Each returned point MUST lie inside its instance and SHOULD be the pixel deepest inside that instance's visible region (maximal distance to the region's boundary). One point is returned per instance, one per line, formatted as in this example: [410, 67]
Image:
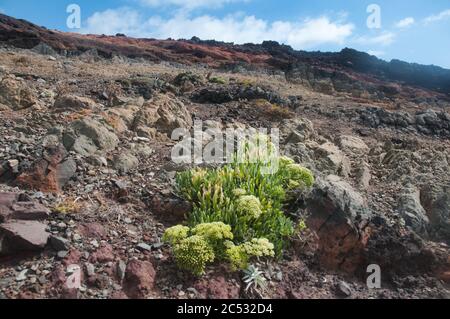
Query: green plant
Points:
[240, 255]
[217, 80]
[193, 254]
[238, 208]
[175, 234]
[254, 278]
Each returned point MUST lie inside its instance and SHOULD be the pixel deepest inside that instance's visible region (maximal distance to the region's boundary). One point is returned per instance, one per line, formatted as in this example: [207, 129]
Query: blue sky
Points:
[410, 30]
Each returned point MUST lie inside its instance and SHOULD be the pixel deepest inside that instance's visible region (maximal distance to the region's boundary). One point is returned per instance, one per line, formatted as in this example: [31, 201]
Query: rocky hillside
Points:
[87, 184]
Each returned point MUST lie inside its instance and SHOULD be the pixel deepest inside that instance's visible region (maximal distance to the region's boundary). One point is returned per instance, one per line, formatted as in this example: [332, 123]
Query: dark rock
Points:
[59, 243]
[139, 279]
[339, 215]
[50, 173]
[170, 207]
[22, 236]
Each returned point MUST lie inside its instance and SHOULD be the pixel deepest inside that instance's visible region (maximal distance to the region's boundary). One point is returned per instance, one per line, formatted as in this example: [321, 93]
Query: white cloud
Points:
[404, 23]
[189, 4]
[236, 28]
[440, 16]
[383, 39]
[376, 53]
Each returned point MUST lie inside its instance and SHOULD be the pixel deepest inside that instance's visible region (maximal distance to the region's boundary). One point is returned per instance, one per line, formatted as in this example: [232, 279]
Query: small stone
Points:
[121, 268]
[62, 254]
[344, 289]
[90, 269]
[144, 247]
[95, 243]
[59, 243]
[22, 275]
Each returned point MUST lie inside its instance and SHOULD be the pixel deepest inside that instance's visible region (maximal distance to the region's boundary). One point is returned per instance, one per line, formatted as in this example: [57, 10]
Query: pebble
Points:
[121, 268]
[90, 269]
[95, 243]
[62, 254]
[22, 275]
[144, 247]
[344, 289]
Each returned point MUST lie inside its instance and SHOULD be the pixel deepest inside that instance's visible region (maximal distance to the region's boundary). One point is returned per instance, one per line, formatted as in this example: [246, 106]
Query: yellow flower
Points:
[213, 231]
[249, 205]
[193, 254]
[175, 234]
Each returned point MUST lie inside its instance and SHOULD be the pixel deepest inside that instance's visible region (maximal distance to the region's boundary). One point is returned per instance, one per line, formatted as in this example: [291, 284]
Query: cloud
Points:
[440, 16]
[404, 23]
[189, 4]
[376, 53]
[237, 28]
[383, 39]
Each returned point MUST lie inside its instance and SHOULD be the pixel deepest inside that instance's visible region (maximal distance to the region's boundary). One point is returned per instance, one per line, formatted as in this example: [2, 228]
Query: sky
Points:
[410, 30]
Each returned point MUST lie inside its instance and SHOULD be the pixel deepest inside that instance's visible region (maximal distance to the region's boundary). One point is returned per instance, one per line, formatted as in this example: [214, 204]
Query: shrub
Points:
[193, 254]
[217, 80]
[249, 206]
[238, 208]
[239, 255]
[175, 234]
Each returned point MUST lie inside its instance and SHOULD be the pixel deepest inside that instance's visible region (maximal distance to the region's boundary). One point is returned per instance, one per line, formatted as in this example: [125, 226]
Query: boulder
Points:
[339, 216]
[139, 279]
[15, 93]
[331, 160]
[297, 130]
[125, 162]
[165, 113]
[22, 236]
[50, 173]
[73, 102]
[411, 210]
[88, 136]
[352, 145]
[19, 206]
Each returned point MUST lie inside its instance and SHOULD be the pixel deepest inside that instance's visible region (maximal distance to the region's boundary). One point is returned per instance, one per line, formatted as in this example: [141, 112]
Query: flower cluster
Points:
[298, 176]
[249, 205]
[240, 255]
[193, 254]
[175, 234]
[213, 231]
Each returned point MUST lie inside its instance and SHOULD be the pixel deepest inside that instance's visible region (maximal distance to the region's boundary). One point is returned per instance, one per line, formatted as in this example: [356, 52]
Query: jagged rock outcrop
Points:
[339, 215]
[50, 173]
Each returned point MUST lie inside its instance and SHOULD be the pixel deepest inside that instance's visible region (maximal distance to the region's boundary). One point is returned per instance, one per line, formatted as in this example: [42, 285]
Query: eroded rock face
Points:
[15, 94]
[332, 160]
[402, 253]
[50, 173]
[339, 215]
[436, 202]
[411, 210]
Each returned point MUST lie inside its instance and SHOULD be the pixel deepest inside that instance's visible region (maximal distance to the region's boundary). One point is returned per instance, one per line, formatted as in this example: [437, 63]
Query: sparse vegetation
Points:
[245, 201]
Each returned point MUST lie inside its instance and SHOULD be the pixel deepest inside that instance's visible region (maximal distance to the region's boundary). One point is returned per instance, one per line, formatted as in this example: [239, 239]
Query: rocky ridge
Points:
[87, 181]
